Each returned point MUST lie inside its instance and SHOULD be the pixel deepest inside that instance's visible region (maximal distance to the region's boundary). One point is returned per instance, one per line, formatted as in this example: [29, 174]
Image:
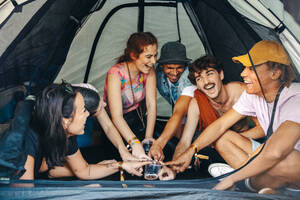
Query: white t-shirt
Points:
[287, 108]
[189, 91]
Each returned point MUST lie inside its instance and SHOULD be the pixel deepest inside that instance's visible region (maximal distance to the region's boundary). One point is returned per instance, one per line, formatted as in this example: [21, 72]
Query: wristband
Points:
[133, 141]
[120, 163]
[195, 148]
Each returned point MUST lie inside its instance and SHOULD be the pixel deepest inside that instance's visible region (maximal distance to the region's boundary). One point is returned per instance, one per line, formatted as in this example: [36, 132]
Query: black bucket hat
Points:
[173, 53]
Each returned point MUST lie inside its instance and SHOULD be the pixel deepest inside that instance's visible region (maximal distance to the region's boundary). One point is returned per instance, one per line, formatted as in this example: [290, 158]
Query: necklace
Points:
[139, 108]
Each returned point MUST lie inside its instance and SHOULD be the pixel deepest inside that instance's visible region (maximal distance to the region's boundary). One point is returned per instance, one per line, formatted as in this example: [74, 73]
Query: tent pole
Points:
[177, 20]
[141, 16]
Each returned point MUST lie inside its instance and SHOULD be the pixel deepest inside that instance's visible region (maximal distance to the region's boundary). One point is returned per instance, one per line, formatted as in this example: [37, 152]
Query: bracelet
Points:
[200, 156]
[120, 163]
[133, 141]
[195, 148]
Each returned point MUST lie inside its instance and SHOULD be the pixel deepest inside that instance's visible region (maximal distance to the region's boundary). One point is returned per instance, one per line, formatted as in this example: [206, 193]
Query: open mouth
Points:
[248, 83]
[209, 86]
[173, 78]
[148, 66]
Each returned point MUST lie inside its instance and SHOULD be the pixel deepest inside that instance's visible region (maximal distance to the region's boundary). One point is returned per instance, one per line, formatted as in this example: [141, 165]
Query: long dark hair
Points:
[135, 44]
[91, 98]
[53, 104]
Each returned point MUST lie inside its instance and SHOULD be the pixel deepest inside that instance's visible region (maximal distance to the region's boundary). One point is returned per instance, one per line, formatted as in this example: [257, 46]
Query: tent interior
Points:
[45, 41]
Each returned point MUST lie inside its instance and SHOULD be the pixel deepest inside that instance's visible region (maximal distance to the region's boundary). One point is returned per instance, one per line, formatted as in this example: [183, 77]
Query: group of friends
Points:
[228, 117]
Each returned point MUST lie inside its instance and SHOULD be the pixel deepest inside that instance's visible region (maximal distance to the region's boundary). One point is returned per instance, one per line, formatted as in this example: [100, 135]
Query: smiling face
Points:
[251, 80]
[173, 71]
[75, 124]
[209, 81]
[146, 60]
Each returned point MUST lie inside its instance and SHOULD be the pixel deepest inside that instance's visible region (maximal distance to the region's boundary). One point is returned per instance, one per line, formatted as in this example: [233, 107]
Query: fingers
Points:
[148, 139]
[176, 166]
[141, 164]
[137, 172]
[158, 157]
[137, 169]
[107, 161]
[170, 163]
[166, 174]
[144, 158]
[132, 159]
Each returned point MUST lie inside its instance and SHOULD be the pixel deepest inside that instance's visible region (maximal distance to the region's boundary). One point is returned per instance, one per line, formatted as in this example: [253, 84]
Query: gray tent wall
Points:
[26, 54]
[161, 21]
[113, 38]
[23, 51]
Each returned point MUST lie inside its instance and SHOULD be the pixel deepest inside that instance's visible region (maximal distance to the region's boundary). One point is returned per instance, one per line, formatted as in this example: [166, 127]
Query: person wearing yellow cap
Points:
[268, 76]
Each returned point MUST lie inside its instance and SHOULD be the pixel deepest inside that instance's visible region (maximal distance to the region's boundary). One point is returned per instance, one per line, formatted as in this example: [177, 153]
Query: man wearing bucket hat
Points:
[172, 72]
[173, 84]
[268, 76]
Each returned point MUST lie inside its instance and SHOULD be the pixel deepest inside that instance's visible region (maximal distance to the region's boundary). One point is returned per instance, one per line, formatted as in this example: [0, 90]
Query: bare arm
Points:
[151, 103]
[255, 132]
[277, 148]
[116, 108]
[82, 170]
[111, 132]
[208, 136]
[85, 171]
[180, 110]
[189, 128]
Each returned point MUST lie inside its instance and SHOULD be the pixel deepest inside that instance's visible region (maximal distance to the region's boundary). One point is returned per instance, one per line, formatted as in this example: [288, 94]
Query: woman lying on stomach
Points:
[60, 114]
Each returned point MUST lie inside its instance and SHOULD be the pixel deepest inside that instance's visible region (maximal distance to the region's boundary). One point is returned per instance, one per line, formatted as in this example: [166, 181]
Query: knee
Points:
[223, 142]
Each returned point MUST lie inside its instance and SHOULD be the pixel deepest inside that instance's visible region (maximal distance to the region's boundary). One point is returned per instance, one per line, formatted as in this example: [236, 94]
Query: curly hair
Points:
[203, 63]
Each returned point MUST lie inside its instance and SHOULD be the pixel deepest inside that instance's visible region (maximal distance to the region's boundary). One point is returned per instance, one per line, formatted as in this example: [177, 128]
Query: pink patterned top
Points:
[138, 86]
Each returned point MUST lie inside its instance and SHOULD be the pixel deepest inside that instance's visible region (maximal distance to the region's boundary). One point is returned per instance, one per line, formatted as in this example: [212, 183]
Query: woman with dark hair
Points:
[95, 106]
[60, 114]
[129, 84]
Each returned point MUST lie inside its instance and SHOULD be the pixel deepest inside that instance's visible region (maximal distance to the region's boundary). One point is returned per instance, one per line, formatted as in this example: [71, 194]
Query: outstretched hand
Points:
[156, 152]
[127, 156]
[181, 162]
[135, 167]
[138, 151]
[166, 174]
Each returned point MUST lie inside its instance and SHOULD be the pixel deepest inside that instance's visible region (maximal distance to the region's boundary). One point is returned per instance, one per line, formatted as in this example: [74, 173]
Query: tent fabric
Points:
[61, 49]
[44, 41]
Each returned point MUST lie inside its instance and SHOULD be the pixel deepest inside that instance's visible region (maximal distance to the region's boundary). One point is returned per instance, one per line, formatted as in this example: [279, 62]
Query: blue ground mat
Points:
[131, 189]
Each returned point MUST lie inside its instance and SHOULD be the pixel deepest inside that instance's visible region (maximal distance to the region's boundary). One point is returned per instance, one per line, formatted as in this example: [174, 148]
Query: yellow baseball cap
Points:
[264, 51]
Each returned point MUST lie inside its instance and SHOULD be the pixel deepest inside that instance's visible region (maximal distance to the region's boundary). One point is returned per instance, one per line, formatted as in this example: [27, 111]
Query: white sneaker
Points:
[218, 169]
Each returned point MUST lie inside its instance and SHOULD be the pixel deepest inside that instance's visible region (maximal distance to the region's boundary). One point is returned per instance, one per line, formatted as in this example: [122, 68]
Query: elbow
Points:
[82, 176]
[115, 118]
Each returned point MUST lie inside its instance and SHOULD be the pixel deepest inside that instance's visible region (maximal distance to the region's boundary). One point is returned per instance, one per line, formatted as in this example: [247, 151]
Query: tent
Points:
[78, 40]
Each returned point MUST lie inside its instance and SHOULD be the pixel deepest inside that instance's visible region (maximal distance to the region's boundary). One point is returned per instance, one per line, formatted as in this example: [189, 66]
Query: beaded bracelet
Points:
[120, 163]
[132, 142]
[195, 148]
[198, 156]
